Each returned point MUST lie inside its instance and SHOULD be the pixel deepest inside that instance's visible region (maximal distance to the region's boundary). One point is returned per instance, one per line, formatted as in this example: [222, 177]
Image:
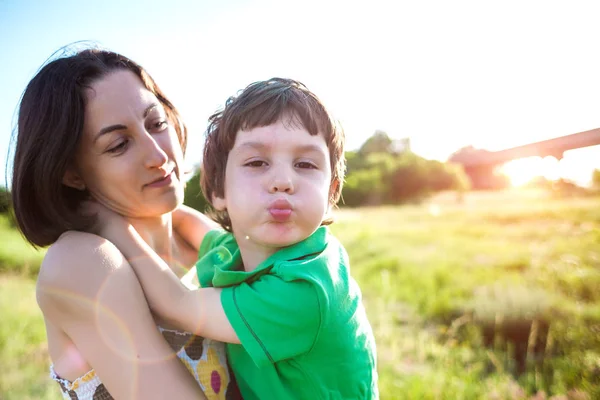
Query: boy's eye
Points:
[306, 165]
[255, 163]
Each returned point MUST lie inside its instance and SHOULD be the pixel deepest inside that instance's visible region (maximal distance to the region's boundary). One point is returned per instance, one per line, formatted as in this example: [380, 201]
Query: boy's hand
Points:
[115, 228]
[107, 222]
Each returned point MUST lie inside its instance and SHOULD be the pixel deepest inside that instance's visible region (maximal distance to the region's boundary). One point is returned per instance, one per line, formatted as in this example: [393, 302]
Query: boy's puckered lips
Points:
[280, 210]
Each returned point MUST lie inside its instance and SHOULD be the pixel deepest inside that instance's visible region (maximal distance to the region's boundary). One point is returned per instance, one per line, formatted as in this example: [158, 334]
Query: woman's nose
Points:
[155, 155]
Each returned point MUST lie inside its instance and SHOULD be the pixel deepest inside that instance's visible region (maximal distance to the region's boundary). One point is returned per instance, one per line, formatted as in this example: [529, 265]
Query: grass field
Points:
[494, 297]
[16, 255]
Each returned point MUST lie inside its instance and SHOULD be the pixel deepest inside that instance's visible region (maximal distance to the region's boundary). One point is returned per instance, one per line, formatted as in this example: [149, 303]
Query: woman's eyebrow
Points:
[149, 108]
[118, 127]
[109, 129]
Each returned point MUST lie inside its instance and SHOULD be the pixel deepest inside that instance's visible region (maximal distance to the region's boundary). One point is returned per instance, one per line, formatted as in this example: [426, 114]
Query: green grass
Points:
[23, 351]
[434, 277]
[16, 255]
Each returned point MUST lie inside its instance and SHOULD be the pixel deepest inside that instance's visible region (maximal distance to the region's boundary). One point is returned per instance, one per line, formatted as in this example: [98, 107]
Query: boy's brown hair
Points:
[260, 104]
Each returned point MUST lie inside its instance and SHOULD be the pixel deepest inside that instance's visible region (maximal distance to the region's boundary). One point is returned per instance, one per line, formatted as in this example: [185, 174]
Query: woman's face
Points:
[129, 157]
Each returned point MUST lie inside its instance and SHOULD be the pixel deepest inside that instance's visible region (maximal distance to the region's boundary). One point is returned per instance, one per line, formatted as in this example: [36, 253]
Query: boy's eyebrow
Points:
[253, 145]
[310, 147]
[300, 149]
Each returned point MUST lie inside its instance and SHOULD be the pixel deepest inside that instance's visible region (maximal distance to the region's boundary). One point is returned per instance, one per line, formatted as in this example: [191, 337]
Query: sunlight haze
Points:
[445, 74]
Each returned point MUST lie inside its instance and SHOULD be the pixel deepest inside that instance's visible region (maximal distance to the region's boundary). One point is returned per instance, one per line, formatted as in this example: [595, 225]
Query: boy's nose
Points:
[281, 182]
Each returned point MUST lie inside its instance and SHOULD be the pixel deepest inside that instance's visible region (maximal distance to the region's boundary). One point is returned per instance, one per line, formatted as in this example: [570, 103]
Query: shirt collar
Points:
[230, 271]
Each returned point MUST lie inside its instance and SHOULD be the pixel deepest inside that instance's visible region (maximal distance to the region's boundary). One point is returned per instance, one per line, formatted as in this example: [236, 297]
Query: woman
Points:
[95, 126]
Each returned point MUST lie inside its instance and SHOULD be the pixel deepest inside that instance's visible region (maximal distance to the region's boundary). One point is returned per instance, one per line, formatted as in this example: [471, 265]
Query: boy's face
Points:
[277, 184]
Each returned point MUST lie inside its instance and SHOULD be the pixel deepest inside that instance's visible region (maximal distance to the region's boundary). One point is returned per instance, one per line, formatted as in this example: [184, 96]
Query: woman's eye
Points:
[119, 147]
[306, 165]
[160, 125]
[256, 163]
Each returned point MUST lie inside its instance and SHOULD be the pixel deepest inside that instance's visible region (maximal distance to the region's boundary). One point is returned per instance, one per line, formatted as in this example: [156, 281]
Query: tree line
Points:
[382, 171]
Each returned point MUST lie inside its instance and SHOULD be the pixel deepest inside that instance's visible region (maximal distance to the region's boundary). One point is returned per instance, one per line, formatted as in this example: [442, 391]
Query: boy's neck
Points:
[253, 254]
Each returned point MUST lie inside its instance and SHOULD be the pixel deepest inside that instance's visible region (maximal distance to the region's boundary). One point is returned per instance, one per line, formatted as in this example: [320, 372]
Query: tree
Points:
[379, 142]
[596, 178]
[5, 201]
[366, 178]
[395, 178]
[193, 194]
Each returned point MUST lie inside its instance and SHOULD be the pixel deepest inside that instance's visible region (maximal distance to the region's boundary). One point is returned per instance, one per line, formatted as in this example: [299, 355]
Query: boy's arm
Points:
[199, 311]
[283, 317]
[192, 225]
[269, 311]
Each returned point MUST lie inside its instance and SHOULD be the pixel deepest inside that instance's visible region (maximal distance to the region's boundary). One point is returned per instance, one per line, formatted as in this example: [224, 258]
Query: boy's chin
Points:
[281, 241]
[275, 236]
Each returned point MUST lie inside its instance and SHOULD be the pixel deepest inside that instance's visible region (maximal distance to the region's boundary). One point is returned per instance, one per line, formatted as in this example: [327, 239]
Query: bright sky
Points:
[444, 73]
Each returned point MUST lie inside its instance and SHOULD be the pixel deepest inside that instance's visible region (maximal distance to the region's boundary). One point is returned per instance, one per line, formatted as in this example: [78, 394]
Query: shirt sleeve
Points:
[211, 239]
[273, 318]
[205, 266]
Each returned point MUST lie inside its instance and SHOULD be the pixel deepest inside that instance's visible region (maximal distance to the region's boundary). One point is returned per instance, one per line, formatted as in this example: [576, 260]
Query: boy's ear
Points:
[72, 179]
[329, 208]
[335, 184]
[219, 203]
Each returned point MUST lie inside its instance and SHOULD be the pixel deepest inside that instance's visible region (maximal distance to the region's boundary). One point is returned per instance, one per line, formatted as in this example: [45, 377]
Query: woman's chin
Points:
[169, 204]
[152, 210]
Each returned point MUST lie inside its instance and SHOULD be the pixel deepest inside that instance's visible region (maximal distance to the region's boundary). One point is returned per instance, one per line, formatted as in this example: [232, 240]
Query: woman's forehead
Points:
[115, 98]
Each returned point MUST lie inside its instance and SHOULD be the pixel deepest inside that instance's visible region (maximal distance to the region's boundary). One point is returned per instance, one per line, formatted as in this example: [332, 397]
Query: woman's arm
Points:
[88, 289]
[192, 225]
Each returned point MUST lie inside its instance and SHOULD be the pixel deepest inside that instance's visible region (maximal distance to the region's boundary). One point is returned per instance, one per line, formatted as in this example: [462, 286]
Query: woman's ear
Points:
[72, 179]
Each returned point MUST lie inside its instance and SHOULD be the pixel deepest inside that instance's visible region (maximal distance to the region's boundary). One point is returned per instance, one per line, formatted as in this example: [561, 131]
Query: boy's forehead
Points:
[279, 135]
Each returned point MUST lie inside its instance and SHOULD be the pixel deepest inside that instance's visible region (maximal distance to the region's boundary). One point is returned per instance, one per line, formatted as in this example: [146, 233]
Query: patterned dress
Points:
[204, 358]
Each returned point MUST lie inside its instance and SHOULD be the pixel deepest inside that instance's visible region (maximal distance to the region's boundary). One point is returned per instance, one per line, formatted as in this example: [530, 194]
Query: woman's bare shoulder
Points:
[78, 263]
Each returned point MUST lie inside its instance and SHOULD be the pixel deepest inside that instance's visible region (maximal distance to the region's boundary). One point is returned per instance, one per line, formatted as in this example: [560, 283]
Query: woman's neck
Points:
[158, 233]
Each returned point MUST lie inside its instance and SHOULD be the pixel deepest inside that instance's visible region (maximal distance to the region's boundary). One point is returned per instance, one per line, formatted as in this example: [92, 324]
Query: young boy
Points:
[275, 285]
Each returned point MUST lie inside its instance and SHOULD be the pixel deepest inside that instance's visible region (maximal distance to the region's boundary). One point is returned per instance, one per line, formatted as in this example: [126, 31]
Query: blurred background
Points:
[471, 204]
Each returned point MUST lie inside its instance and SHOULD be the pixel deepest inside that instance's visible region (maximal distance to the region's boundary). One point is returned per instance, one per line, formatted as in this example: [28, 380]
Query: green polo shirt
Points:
[303, 330]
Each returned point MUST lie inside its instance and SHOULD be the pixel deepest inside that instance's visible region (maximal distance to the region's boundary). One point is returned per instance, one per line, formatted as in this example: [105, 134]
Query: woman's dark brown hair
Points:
[261, 104]
[50, 127]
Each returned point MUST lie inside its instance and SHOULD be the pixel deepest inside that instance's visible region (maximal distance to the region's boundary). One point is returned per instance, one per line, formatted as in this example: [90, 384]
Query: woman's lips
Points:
[162, 182]
[280, 210]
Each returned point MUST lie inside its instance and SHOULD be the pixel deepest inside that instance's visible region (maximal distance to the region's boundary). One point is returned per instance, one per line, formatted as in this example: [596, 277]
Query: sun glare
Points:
[524, 170]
